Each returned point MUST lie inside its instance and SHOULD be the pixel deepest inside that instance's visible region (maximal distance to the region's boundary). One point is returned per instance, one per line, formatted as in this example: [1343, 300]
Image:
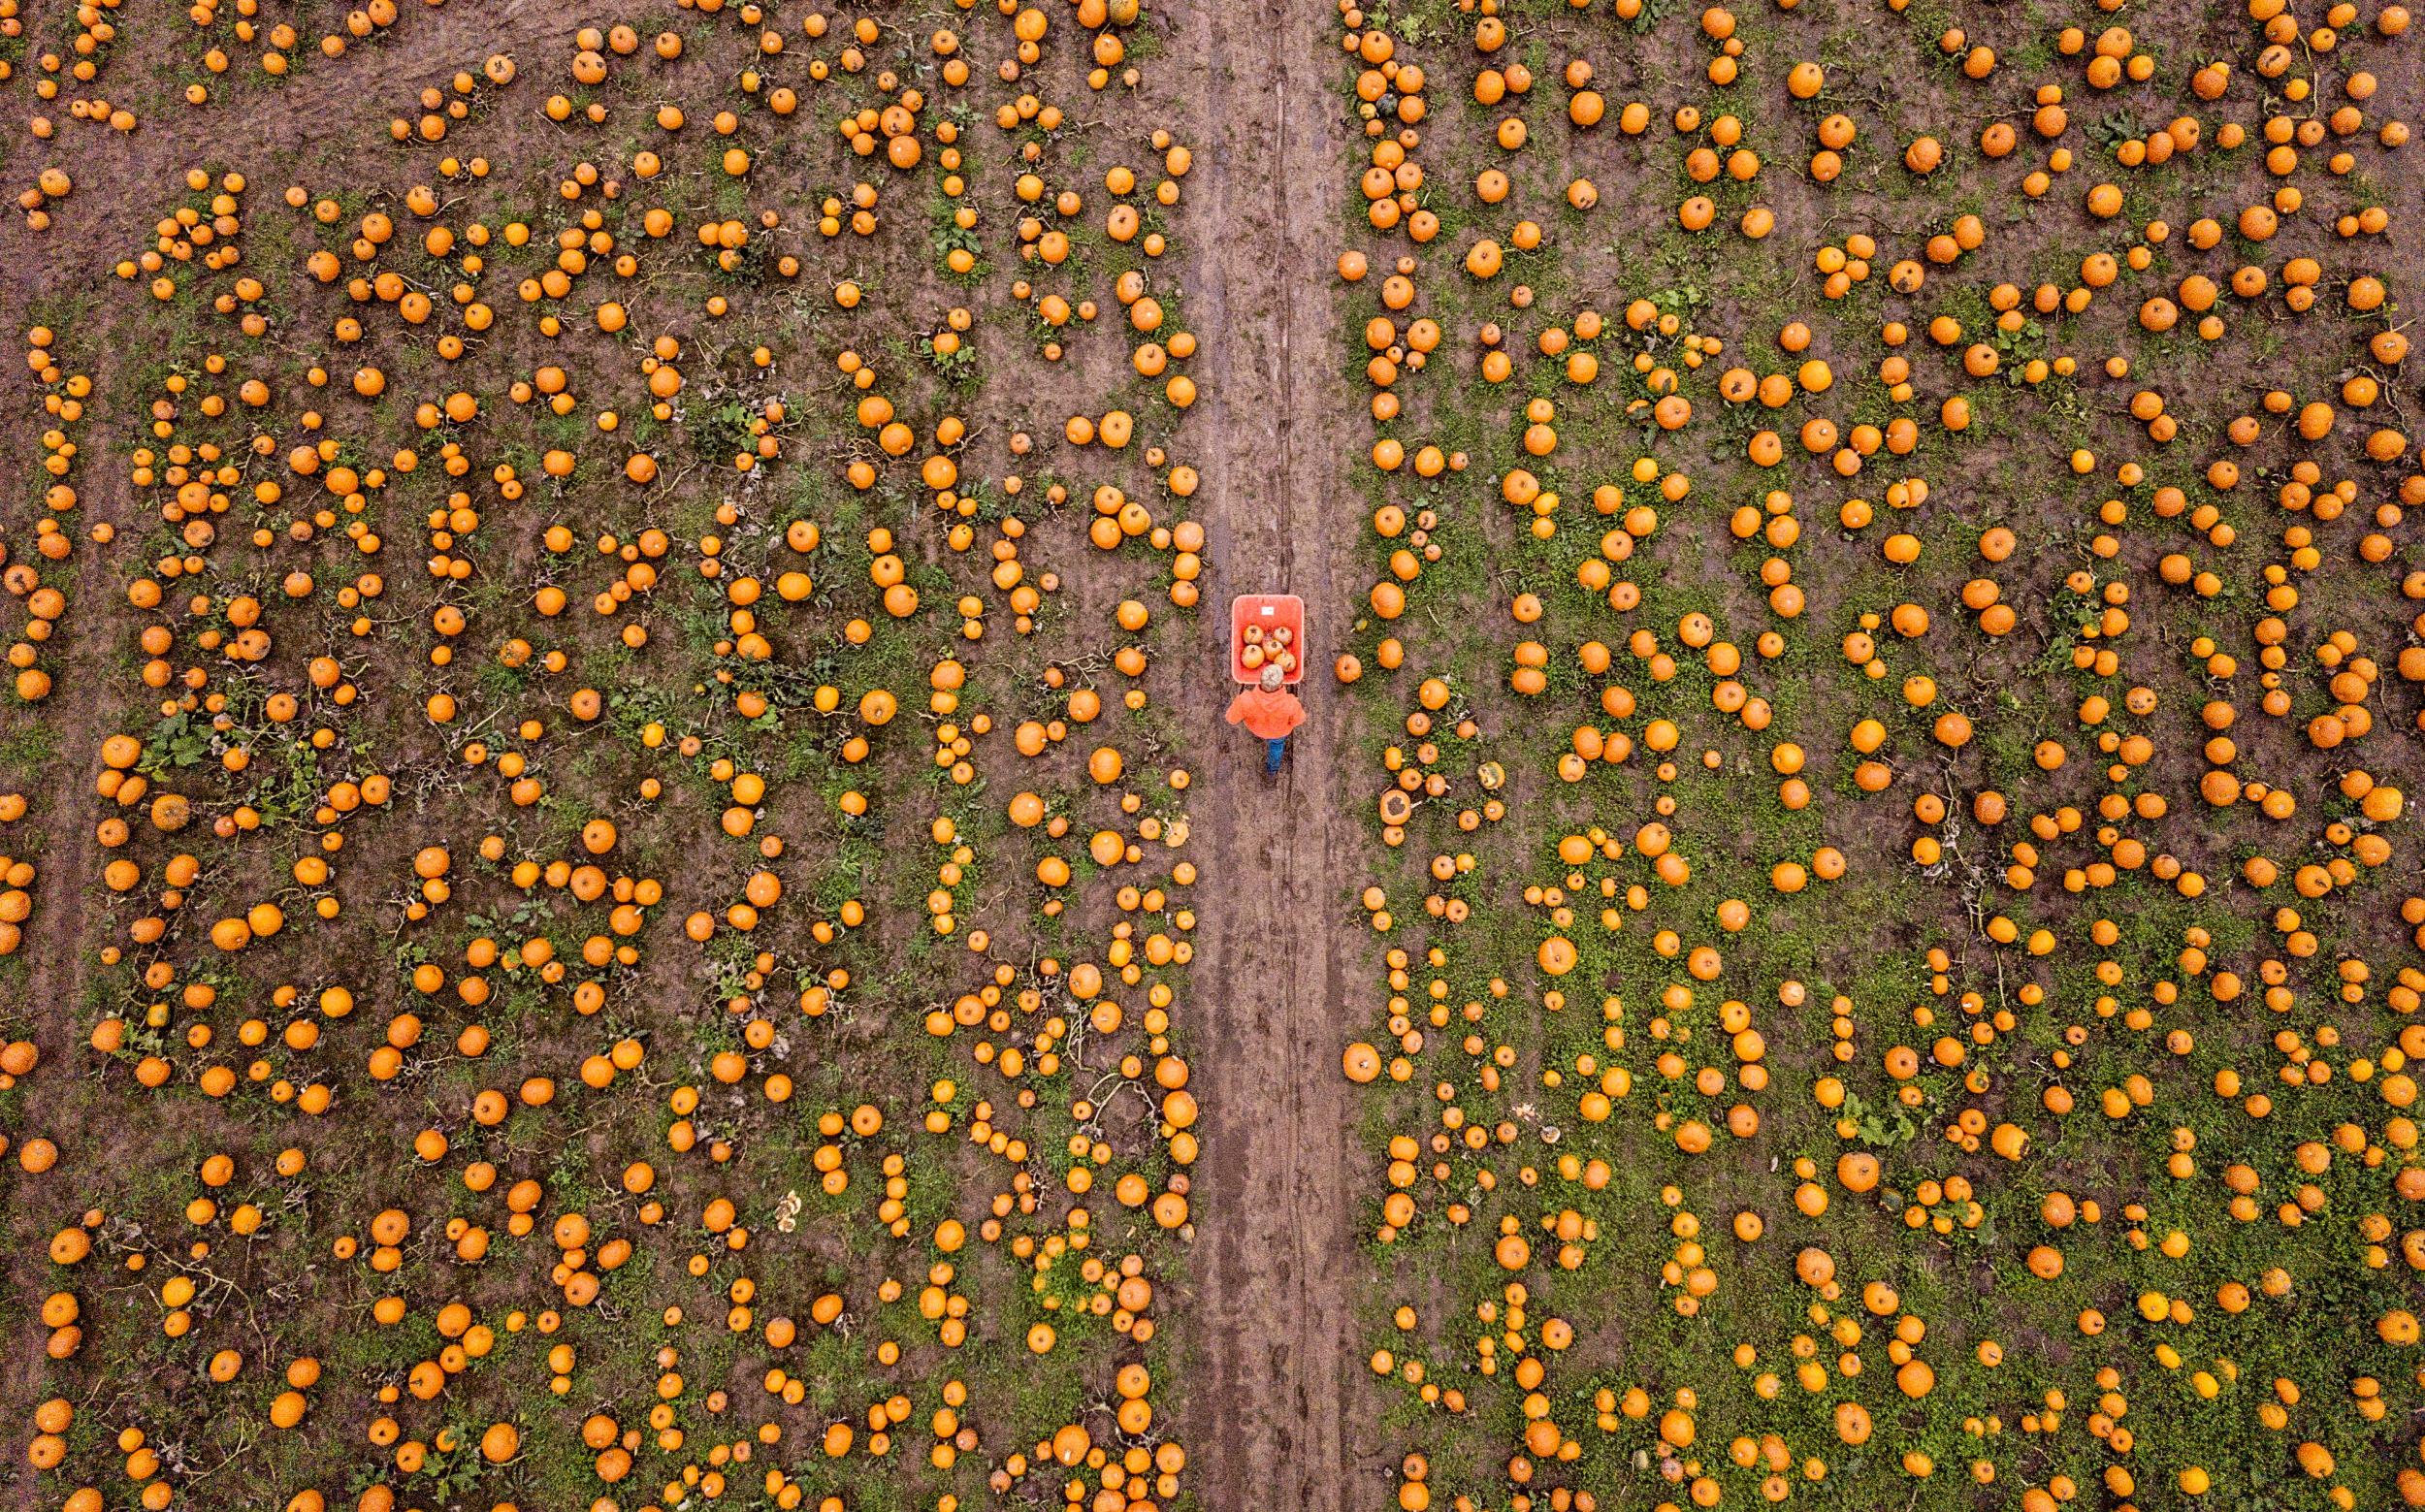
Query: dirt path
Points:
[1272, 1378]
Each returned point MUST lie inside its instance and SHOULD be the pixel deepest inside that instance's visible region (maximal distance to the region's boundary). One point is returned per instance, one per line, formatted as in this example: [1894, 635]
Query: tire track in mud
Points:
[1272, 1376]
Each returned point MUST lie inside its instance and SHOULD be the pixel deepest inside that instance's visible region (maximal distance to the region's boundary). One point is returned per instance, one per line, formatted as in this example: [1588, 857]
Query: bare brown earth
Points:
[1271, 1387]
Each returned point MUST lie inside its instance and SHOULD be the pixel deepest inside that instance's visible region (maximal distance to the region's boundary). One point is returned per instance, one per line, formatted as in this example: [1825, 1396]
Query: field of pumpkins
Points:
[624, 886]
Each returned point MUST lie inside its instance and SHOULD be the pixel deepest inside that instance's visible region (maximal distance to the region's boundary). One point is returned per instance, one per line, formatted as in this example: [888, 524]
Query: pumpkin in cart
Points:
[1276, 646]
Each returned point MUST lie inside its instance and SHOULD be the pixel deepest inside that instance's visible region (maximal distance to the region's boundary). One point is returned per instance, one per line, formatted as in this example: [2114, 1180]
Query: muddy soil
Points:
[1273, 1409]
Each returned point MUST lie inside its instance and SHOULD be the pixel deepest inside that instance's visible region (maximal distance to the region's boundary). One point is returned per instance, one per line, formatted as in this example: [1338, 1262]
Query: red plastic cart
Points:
[1265, 613]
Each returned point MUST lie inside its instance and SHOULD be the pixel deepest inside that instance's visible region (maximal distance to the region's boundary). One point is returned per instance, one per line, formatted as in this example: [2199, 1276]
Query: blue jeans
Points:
[1272, 750]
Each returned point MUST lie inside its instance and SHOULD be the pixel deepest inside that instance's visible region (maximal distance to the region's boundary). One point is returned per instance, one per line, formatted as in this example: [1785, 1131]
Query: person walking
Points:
[1270, 712]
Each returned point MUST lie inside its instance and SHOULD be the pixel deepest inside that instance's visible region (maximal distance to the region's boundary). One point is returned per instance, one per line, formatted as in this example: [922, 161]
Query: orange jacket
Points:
[1269, 715]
